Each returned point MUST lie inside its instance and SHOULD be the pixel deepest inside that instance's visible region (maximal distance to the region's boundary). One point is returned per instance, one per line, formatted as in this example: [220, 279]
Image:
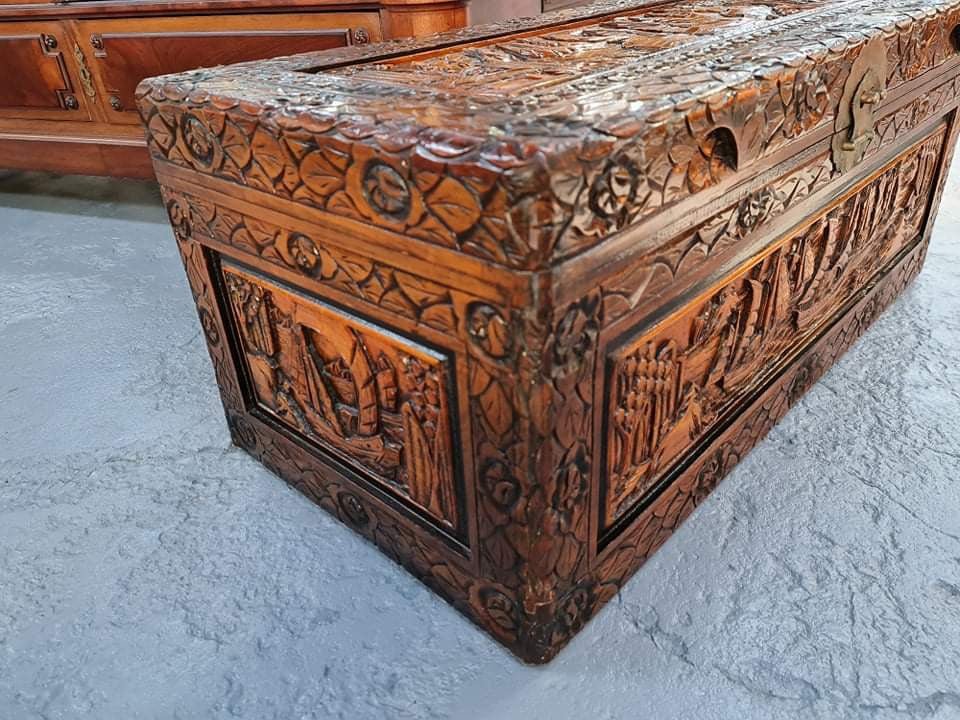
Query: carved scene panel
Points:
[381, 403]
[673, 385]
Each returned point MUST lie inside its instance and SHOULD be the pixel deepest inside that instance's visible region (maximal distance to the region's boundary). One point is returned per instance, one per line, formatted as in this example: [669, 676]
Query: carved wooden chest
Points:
[510, 302]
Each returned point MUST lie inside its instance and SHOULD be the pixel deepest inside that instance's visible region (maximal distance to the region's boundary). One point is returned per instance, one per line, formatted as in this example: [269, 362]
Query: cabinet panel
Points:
[38, 83]
[123, 54]
[551, 5]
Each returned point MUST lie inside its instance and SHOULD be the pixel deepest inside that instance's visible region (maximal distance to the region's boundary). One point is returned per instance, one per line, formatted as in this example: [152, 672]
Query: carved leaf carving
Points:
[454, 205]
[236, 144]
[341, 203]
[269, 153]
[161, 132]
[492, 398]
[322, 171]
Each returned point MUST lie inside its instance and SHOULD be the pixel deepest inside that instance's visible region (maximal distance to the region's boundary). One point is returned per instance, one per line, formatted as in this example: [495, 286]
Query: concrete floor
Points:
[150, 570]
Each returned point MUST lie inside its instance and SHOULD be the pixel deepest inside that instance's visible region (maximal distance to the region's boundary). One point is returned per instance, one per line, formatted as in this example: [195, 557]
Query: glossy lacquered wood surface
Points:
[75, 67]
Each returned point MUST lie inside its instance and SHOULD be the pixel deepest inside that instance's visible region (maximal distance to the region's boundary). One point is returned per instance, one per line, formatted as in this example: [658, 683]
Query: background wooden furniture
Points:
[488, 11]
[70, 70]
[551, 5]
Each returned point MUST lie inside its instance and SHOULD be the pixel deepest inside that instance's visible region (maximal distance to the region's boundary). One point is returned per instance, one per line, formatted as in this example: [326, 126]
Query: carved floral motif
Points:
[489, 331]
[386, 191]
[414, 297]
[658, 270]
[806, 100]
[199, 140]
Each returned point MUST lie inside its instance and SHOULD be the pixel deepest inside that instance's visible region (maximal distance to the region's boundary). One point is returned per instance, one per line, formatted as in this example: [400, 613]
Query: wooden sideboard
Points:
[67, 98]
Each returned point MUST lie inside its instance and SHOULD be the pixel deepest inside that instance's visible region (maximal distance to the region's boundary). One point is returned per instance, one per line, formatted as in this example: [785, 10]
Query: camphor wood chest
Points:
[510, 302]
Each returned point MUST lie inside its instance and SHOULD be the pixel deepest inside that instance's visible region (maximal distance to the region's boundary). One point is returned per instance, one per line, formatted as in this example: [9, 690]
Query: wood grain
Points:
[76, 66]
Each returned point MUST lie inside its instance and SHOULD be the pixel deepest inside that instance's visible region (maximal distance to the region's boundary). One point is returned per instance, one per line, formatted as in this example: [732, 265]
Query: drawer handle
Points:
[86, 79]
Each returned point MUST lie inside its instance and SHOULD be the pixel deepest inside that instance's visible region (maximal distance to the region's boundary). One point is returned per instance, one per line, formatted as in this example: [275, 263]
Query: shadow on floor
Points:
[82, 195]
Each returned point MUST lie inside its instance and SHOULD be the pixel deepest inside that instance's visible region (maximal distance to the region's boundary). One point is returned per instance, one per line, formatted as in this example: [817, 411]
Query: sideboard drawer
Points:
[41, 80]
[71, 67]
[122, 53]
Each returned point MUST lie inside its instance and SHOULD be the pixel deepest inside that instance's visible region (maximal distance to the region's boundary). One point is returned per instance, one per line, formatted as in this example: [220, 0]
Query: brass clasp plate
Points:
[863, 93]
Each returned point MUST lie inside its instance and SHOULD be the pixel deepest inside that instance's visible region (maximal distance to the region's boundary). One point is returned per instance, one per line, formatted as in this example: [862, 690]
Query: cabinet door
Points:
[41, 76]
[124, 51]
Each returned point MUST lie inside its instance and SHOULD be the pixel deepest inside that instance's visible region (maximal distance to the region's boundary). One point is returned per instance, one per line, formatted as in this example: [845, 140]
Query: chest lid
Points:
[529, 142]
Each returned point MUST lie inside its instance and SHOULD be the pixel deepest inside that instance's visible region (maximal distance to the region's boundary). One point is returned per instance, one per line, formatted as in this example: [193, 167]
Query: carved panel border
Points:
[622, 557]
[687, 251]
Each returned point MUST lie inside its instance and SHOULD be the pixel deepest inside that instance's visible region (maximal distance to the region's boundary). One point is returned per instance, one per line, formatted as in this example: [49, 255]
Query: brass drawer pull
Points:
[86, 79]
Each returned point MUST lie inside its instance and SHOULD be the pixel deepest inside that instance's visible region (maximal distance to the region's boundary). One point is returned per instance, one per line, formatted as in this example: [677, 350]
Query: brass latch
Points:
[86, 78]
[863, 94]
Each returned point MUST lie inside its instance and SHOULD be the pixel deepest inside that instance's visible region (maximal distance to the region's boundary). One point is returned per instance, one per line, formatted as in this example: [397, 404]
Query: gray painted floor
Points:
[149, 570]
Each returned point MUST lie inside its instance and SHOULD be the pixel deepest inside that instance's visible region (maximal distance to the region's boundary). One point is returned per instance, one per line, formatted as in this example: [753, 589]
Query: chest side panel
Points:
[672, 386]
